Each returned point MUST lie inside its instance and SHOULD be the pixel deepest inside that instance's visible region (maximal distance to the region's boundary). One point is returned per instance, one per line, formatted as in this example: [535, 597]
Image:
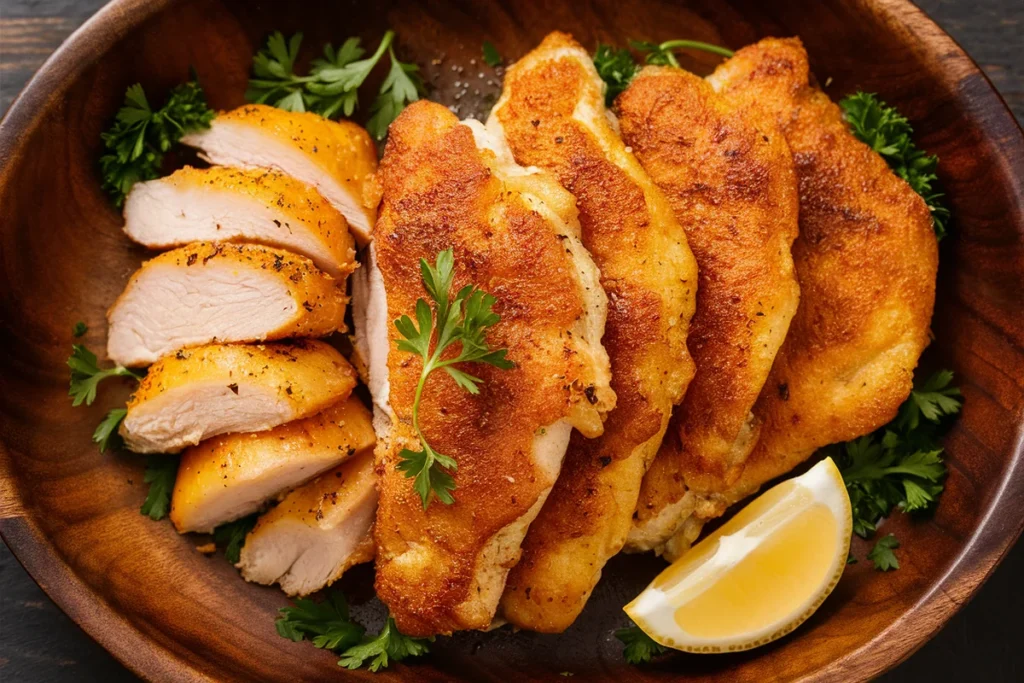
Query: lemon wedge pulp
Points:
[759, 575]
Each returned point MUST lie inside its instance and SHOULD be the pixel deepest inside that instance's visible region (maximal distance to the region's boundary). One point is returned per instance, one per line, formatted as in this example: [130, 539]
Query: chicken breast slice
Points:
[199, 393]
[553, 115]
[234, 475]
[221, 204]
[221, 292]
[729, 176]
[514, 233]
[335, 157]
[866, 259]
[317, 532]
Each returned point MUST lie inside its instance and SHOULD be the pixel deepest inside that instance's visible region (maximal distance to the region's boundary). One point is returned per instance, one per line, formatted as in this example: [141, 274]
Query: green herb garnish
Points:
[331, 87]
[106, 433]
[390, 645]
[463, 320]
[899, 465]
[664, 53]
[882, 555]
[86, 375]
[491, 55]
[330, 627]
[161, 471]
[79, 329]
[617, 68]
[232, 536]
[639, 648]
[887, 132]
[140, 136]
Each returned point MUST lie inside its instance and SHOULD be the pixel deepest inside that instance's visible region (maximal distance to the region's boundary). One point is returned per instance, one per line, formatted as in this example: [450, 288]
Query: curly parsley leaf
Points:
[161, 471]
[639, 648]
[882, 555]
[232, 536]
[462, 320]
[136, 143]
[616, 67]
[390, 645]
[491, 55]
[86, 375]
[106, 433]
[899, 465]
[326, 623]
[887, 132]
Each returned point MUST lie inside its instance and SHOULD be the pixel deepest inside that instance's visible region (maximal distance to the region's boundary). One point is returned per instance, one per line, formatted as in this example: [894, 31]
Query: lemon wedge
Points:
[759, 575]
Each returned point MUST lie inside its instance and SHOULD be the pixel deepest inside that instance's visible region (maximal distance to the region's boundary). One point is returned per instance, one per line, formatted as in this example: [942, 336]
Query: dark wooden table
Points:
[984, 642]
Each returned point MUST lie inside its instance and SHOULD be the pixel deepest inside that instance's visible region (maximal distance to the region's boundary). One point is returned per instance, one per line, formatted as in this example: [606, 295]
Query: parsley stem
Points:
[669, 45]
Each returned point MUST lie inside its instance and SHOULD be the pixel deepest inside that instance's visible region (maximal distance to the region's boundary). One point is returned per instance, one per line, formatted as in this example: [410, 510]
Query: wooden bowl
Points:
[169, 613]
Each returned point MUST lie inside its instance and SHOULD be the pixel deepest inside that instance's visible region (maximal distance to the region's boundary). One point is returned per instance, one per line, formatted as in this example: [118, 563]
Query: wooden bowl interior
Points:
[170, 613]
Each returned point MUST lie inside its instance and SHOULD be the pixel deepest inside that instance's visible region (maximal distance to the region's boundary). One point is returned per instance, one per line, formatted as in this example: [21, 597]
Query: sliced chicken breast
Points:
[233, 475]
[729, 176]
[514, 233]
[866, 259]
[553, 115]
[221, 292]
[221, 204]
[317, 532]
[199, 393]
[335, 157]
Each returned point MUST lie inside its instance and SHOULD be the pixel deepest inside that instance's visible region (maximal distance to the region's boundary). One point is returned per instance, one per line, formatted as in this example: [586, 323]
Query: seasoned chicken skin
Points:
[220, 204]
[338, 158]
[866, 260]
[317, 532]
[225, 388]
[233, 475]
[730, 179]
[515, 234]
[553, 115]
[221, 292]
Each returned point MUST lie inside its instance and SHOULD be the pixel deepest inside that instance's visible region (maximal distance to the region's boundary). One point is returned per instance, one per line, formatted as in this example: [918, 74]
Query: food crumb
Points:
[207, 548]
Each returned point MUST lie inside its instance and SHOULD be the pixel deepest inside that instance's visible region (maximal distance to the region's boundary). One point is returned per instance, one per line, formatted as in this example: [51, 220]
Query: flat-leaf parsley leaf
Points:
[639, 648]
[390, 645]
[882, 555]
[462, 320]
[161, 471]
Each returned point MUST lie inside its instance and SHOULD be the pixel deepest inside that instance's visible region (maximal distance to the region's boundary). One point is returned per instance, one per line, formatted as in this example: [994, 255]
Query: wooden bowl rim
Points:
[152, 661]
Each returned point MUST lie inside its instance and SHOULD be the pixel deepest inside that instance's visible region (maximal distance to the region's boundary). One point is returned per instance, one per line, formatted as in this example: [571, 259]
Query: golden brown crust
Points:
[308, 375]
[866, 258]
[336, 433]
[649, 275]
[319, 300]
[342, 149]
[729, 177]
[286, 196]
[440, 191]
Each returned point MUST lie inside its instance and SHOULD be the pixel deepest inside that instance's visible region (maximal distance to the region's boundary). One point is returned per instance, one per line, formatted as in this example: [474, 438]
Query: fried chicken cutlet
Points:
[729, 177]
[866, 260]
[516, 235]
[552, 114]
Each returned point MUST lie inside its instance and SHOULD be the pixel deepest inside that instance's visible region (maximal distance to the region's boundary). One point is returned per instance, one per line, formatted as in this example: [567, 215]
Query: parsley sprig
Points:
[161, 472]
[617, 67]
[639, 648]
[331, 88]
[86, 376]
[900, 465]
[887, 132]
[462, 320]
[330, 627]
[882, 555]
[232, 536]
[141, 135]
